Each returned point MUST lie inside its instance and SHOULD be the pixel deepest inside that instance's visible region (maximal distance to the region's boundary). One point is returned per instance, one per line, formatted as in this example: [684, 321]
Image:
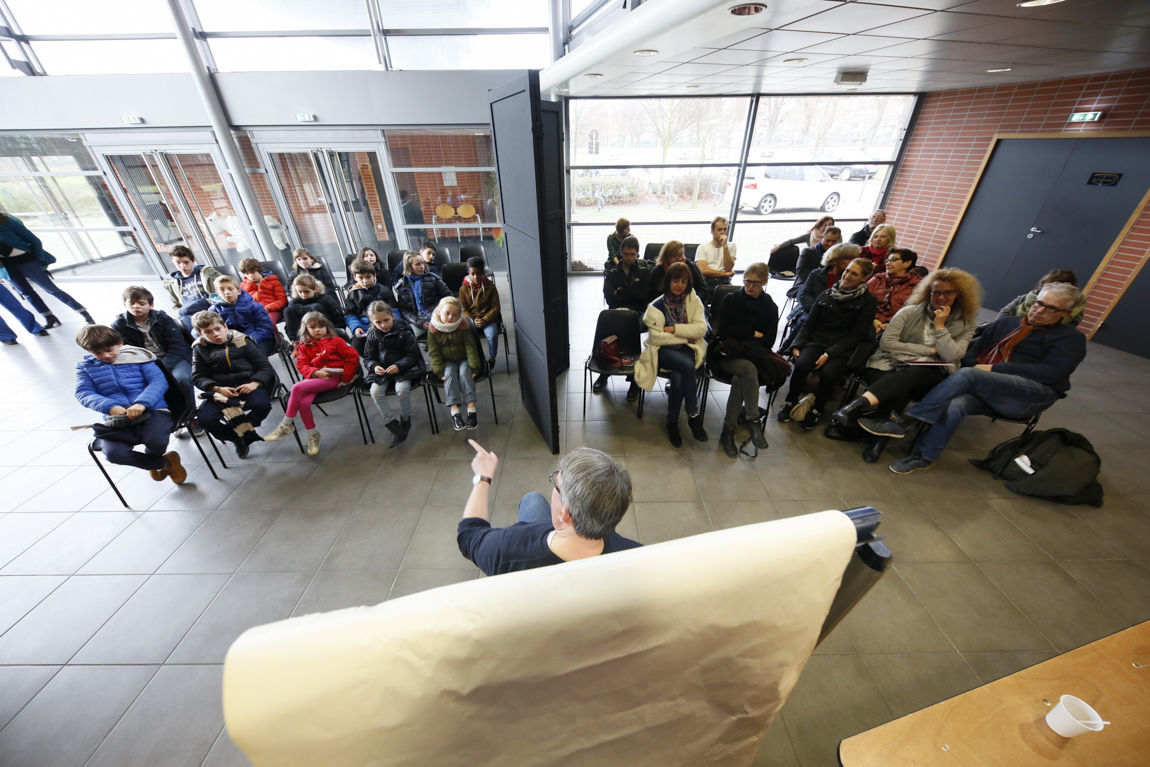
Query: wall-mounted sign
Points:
[1085, 117]
[1103, 179]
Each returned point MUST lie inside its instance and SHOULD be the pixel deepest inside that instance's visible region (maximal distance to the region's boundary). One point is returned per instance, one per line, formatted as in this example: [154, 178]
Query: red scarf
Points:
[1002, 350]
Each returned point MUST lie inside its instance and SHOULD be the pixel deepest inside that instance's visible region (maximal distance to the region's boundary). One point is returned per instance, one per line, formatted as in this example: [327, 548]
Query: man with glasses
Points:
[1018, 367]
[590, 494]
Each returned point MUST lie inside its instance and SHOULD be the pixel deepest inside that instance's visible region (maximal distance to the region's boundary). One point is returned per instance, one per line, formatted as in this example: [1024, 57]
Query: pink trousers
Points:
[303, 394]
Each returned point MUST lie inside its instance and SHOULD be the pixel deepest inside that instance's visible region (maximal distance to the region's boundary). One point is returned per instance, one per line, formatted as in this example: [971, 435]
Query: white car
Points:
[792, 187]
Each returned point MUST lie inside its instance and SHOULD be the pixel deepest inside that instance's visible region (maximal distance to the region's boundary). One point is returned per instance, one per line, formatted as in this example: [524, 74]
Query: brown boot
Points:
[174, 468]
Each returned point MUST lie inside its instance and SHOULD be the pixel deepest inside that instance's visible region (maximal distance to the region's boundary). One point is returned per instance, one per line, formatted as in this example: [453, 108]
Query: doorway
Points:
[1048, 203]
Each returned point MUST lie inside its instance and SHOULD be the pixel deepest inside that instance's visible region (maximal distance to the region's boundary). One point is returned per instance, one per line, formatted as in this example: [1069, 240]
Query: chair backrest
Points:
[721, 292]
[230, 271]
[689, 251]
[394, 259]
[470, 251]
[276, 267]
[176, 398]
[651, 252]
[453, 275]
[623, 323]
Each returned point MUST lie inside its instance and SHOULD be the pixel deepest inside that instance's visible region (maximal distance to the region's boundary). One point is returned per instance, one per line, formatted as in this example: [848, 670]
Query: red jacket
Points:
[330, 352]
[270, 292]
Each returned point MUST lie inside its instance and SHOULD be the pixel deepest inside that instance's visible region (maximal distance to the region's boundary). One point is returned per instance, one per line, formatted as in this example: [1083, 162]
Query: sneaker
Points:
[42, 332]
[284, 428]
[491, 364]
[810, 420]
[785, 413]
[11, 342]
[472, 419]
[393, 426]
[910, 464]
[600, 382]
[174, 468]
[673, 434]
[313, 442]
[799, 411]
[51, 321]
[882, 427]
[633, 392]
[727, 442]
[457, 421]
[404, 427]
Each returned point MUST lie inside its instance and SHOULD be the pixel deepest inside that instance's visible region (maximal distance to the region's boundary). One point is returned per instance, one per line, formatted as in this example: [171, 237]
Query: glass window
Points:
[470, 52]
[287, 54]
[448, 203]
[650, 194]
[270, 15]
[460, 148]
[657, 131]
[862, 129]
[455, 14]
[65, 17]
[111, 57]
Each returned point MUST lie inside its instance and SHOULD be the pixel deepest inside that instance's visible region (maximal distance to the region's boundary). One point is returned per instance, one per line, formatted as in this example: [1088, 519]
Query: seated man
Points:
[237, 379]
[862, 236]
[627, 285]
[1019, 366]
[590, 494]
[893, 285]
[811, 258]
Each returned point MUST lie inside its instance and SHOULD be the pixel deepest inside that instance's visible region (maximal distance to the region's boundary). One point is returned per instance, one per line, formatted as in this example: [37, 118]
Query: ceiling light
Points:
[795, 61]
[1038, 3]
[747, 9]
[850, 79]
[646, 52]
[1002, 69]
[594, 75]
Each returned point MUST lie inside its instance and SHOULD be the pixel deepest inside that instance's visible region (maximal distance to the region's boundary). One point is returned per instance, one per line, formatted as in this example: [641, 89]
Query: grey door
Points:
[1035, 210]
[1125, 327]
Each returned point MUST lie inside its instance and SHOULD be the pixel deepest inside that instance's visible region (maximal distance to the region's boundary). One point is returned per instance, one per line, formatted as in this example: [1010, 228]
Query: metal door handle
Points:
[1035, 230]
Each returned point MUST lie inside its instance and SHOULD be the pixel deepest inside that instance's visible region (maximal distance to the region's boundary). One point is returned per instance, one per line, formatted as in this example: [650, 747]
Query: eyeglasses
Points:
[944, 293]
[752, 282]
[554, 484]
[1043, 306]
[893, 258]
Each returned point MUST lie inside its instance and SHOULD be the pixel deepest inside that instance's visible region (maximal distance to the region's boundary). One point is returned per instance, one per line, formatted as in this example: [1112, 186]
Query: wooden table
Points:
[1002, 723]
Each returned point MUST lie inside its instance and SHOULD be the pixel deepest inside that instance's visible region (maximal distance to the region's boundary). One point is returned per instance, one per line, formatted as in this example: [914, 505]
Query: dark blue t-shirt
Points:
[522, 546]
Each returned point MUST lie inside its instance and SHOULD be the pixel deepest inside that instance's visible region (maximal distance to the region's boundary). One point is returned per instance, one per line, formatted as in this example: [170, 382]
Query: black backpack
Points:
[1063, 463]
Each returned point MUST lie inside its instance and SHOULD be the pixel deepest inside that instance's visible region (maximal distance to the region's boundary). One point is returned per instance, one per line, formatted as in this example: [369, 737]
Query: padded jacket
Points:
[434, 289]
[133, 378]
[330, 352]
[395, 347]
[326, 304]
[269, 291]
[455, 346]
[232, 363]
[630, 289]
[1047, 355]
[320, 272]
[358, 299]
[838, 326]
[247, 316]
[480, 303]
[168, 334]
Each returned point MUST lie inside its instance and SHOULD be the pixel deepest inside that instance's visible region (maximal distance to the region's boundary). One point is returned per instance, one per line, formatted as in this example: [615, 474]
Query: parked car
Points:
[794, 187]
[847, 164]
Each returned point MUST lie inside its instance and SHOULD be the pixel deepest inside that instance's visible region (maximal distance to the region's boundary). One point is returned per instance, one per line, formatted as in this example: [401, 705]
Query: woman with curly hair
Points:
[924, 342]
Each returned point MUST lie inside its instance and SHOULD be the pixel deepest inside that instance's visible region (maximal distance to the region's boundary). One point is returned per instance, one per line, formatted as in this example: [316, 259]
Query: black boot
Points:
[87, 317]
[673, 434]
[848, 414]
[396, 428]
[873, 451]
[696, 424]
[404, 427]
[51, 321]
[727, 441]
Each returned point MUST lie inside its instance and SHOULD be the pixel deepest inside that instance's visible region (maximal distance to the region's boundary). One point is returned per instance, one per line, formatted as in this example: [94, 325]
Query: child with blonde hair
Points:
[455, 360]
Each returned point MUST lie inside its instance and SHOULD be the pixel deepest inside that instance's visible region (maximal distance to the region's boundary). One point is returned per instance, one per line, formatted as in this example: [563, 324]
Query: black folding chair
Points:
[470, 251]
[651, 252]
[454, 274]
[355, 390]
[394, 259]
[432, 386]
[624, 325]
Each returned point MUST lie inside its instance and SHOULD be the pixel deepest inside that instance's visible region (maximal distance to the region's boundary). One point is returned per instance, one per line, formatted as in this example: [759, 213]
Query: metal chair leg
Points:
[100, 465]
[196, 441]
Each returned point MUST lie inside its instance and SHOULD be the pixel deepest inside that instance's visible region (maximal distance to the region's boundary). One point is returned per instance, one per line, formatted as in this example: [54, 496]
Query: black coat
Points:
[319, 271]
[396, 347]
[168, 334]
[434, 289]
[232, 363]
[628, 290]
[326, 304]
[740, 316]
[838, 326]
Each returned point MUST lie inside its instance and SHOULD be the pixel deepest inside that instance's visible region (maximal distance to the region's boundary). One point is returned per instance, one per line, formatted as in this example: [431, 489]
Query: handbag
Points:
[609, 354]
[772, 367]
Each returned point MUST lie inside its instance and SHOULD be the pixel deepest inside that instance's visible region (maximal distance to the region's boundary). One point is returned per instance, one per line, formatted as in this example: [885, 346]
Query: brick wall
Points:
[424, 149]
[954, 131]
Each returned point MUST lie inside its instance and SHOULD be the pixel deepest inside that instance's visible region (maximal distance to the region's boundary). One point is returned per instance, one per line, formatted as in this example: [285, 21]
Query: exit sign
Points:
[1085, 117]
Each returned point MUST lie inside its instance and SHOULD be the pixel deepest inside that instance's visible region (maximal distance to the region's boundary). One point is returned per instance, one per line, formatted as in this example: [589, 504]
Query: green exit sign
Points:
[1085, 117]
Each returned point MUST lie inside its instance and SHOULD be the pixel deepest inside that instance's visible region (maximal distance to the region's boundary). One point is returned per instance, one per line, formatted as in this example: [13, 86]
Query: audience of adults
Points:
[893, 285]
[882, 239]
[1020, 305]
[716, 259]
[862, 236]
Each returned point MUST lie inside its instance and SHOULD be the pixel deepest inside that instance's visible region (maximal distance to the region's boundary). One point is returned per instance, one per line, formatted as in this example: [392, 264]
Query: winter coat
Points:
[740, 316]
[689, 334]
[480, 302]
[326, 304]
[205, 274]
[838, 326]
[628, 289]
[269, 291]
[235, 362]
[359, 299]
[15, 235]
[395, 347]
[133, 378]
[329, 352]
[434, 289]
[898, 297]
[902, 341]
[862, 236]
[167, 334]
[321, 274]
[455, 346]
[247, 316]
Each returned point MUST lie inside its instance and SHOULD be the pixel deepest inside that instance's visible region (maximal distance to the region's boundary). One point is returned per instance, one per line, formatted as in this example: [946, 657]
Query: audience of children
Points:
[306, 263]
[144, 326]
[370, 256]
[326, 362]
[309, 295]
[191, 284]
[455, 360]
[241, 312]
[365, 292]
[480, 301]
[236, 378]
[125, 385]
[393, 363]
[419, 292]
[264, 287]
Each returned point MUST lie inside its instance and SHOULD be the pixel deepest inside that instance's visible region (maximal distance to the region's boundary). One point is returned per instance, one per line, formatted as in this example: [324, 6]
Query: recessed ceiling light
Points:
[691, 86]
[646, 52]
[1038, 3]
[1002, 69]
[795, 61]
[594, 75]
[747, 9]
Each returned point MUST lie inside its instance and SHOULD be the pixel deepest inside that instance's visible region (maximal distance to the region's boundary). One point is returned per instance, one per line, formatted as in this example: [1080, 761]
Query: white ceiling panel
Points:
[781, 40]
[856, 16]
[935, 24]
[852, 44]
[732, 56]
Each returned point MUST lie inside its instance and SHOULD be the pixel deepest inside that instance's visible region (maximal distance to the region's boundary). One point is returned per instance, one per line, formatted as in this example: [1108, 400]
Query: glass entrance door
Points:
[336, 203]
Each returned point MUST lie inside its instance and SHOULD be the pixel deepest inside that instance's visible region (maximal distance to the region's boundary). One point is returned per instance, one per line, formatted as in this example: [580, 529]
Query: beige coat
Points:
[690, 334]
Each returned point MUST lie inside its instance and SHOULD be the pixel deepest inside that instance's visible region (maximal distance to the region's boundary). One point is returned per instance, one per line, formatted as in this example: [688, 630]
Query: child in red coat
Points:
[326, 362]
[264, 287]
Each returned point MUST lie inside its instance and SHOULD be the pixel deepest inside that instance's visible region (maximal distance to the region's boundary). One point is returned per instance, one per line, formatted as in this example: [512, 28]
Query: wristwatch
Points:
[480, 478]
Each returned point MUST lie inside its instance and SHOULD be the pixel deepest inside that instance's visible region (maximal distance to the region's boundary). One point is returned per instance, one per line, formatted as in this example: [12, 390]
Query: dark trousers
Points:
[257, 405]
[896, 389]
[829, 374]
[190, 308]
[23, 274]
[152, 434]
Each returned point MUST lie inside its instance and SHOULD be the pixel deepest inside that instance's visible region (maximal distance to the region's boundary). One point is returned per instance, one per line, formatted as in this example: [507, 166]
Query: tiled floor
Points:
[114, 623]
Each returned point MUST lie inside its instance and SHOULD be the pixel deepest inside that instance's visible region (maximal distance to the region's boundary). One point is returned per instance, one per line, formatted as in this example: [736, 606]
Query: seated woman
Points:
[1021, 304]
[893, 286]
[934, 327]
[674, 252]
[676, 326]
[881, 240]
[840, 320]
[835, 261]
[786, 254]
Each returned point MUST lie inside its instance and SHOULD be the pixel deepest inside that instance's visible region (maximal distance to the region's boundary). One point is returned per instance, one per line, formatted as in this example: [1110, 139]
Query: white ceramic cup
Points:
[1072, 717]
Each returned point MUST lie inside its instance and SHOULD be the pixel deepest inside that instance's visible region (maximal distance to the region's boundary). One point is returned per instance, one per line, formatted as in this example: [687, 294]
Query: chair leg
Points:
[100, 466]
[586, 384]
[642, 400]
[196, 441]
[430, 410]
[491, 385]
[702, 395]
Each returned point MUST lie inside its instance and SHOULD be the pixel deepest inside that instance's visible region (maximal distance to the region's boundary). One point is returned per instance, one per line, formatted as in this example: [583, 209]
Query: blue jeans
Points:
[975, 392]
[679, 362]
[181, 370]
[534, 509]
[491, 332]
[402, 390]
[22, 275]
[458, 387]
[26, 318]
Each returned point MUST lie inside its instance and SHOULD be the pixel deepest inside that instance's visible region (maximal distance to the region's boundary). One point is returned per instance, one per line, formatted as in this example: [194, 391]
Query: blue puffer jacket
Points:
[134, 377]
[247, 316]
[16, 235]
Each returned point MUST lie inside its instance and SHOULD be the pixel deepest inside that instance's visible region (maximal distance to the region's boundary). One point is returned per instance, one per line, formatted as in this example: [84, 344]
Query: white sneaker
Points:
[284, 428]
[313, 443]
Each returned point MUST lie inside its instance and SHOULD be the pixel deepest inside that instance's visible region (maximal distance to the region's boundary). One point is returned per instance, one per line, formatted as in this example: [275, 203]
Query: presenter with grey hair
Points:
[590, 494]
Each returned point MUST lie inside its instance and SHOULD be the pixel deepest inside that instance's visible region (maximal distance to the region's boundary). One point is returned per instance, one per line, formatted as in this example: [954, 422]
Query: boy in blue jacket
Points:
[125, 384]
[243, 313]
